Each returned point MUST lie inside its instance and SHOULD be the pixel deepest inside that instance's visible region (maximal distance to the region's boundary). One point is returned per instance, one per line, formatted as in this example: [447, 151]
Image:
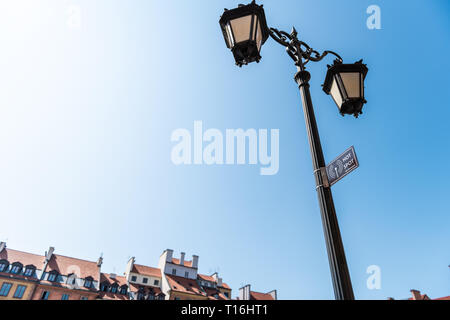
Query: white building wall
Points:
[140, 280]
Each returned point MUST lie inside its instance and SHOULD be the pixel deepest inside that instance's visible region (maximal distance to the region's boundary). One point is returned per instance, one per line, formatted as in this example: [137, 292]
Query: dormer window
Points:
[29, 271]
[174, 272]
[114, 288]
[88, 282]
[16, 268]
[4, 264]
[104, 287]
[72, 279]
[123, 289]
[52, 276]
[141, 293]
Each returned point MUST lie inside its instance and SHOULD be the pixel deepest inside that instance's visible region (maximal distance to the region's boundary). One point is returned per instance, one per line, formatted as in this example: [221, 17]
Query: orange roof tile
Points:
[24, 258]
[106, 277]
[212, 293]
[67, 265]
[443, 298]
[226, 286]
[112, 296]
[211, 279]
[184, 285]
[186, 263]
[206, 278]
[135, 288]
[260, 296]
[149, 271]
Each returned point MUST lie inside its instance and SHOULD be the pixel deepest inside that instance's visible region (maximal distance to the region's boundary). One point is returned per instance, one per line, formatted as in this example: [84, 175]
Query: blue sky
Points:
[86, 116]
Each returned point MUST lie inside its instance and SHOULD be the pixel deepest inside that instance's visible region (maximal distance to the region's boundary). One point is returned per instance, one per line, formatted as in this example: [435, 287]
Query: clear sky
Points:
[87, 108]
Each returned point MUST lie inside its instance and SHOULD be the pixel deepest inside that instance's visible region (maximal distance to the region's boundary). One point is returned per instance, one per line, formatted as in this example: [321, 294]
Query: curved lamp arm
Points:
[297, 49]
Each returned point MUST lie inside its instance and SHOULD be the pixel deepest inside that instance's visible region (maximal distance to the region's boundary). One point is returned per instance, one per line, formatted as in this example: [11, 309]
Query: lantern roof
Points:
[339, 67]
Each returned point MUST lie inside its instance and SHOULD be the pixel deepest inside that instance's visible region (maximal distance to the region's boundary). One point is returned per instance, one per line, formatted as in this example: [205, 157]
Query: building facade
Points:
[51, 276]
[246, 294]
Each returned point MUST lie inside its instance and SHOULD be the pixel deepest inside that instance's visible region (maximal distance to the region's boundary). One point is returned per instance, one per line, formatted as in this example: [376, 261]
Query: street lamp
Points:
[245, 30]
[345, 84]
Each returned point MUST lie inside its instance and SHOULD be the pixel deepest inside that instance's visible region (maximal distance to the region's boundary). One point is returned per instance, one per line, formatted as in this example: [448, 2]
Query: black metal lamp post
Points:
[245, 30]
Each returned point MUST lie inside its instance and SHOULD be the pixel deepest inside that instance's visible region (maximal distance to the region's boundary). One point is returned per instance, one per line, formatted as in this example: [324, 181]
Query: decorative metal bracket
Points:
[298, 50]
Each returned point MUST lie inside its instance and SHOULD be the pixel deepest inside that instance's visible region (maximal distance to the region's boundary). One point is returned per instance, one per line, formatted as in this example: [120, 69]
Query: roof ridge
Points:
[34, 254]
[143, 265]
[60, 255]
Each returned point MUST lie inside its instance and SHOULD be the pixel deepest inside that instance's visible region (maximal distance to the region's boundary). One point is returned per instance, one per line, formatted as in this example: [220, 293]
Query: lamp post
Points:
[245, 31]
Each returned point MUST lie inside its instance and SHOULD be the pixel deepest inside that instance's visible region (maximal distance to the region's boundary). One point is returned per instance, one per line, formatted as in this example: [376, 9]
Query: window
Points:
[114, 288]
[84, 298]
[226, 294]
[45, 295]
[72, 279]
[133, 278]
[176, 298]
[156, 282]
[88, 282]
[16, 268]
[20, 290]
[3, 265]
[145, 280]
[161, 296]
[52, 276]
[65, 297]
[104, 287]
[4, 291]
[123, 290]
[186, 274]
[29, 271]
[141, 293]
[174, 271]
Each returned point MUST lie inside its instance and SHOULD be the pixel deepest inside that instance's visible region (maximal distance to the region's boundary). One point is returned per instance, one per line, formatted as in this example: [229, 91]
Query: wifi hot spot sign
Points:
[342, 166]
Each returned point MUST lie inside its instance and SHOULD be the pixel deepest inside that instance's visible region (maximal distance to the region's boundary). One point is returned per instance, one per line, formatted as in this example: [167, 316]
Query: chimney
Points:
[219, 282]
[2, 246]
[100, 261]
[48, 256]
[416, 295]
[169, 255]
[195, 261]
[273, 293]
[49, 253]
[112, 275]
[182, 258]
[244, 293]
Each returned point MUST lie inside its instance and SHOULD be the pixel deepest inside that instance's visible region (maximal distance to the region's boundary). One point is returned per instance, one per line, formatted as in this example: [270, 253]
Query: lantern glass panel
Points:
[335, 93]
[229, 38]
[259, 36]
[352, 83]
[241, 28]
